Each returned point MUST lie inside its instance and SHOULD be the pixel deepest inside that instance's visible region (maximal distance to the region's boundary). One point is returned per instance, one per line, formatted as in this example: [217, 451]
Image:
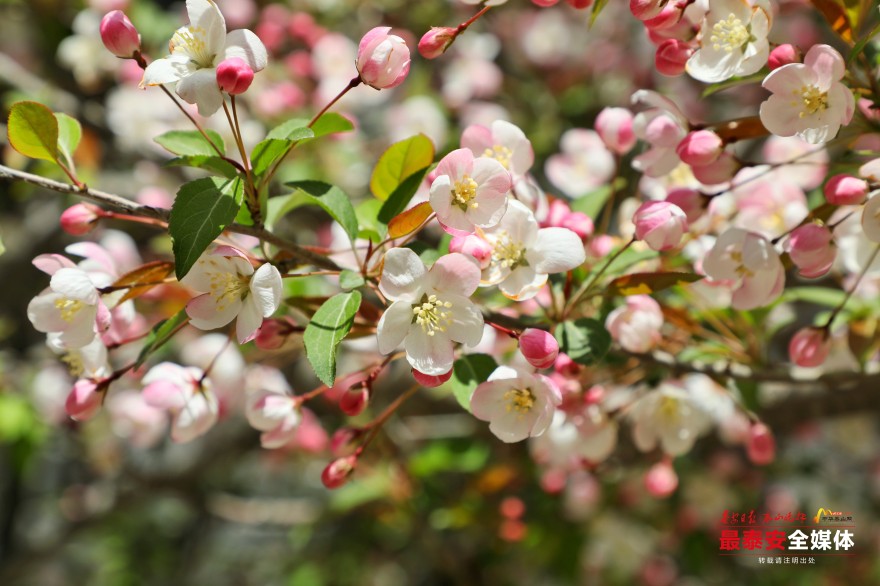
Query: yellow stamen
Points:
[430, 314]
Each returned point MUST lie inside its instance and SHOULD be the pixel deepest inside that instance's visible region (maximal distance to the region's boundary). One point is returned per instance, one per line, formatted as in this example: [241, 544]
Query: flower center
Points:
[519, 400]
[190, 40]
[69, 308]
[729, 34]
[668, 410]
[227, 287]
[507, 252]
[463, 193]
[74, 363]
[741, 269]
[811, 99]
[501, 154]
[430, 314]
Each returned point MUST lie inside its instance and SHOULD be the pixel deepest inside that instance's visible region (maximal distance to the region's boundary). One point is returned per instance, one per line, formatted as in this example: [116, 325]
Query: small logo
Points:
[826, 513]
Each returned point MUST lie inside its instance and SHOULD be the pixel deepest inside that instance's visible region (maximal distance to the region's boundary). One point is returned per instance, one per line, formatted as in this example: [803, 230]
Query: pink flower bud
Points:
[119, 35]
[691, 202]
[812, 250]
[668, 17]
[600, 245]
[761, 448]
[660, 224]
[846, 190]
[645, 9]
[338, 471]
[671, 57]
[382, 59]
[234, 76]
[663, 131]
[661, 479]
[272, 334]
[84, 399]
[579, 223]
[700, 148]
[580, 4]
[540, 348]
[594, 395]
[809, 347]
[431, 381]
[614, 126]
[783, 55]
[354, 400]
[721, 171]
[474, 246]
[566, 367]
[435, 42]
[80, 218]
[343, 441]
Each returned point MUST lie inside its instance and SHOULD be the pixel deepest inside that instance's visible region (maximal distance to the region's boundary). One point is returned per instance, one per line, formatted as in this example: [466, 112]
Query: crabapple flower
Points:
[661, 479]
[672, 56]
[84, 399]
[431, 380]
[636, 325]
[435, 42]
[783, 55]
[809, 347]
[761, 447]
[517, 404]
[430, 309]
[750, 263]
[185, 393]
[811, 248]
[468, 191]
[669, 416]
[232, 290]
[71, 307]
[271, 408]
[119, 35]
[197, 49]
[382, 59]
[474, 246]
[700, 148]
[662, 125]
[660, 224]
[733, 41]
[845, 190]
[234, 76]
[614, 126]
[504, 142]
[80, 218]
[808, 99]
[540, 348]
[583, 164]
[523, 255]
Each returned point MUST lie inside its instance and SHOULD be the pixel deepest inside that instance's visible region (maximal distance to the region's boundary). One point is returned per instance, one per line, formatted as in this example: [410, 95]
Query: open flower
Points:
[430, 309]
[184, 392]
[197, 49]
[670, 416]
[733, 41]
[71, 308]
[271, 407]
[808, 99]
[233, 290]
[504, 142]
[749, 261]
[662, 125]
[523, 255]
[469, 192]
[517, 404]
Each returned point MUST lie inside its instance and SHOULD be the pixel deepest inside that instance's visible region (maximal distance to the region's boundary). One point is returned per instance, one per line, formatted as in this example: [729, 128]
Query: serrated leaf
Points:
[330, 198]
[160, 334]
[33, 131]
[468, 372]
[69, 133]
[585, 340]
[202, 210]
[331, 123]
[349, 280]
[408, 221]
[647, 283]
[212, 164]
[400, 197]
[327, 328]
[190, 142]
[142, 279]
[402, 160]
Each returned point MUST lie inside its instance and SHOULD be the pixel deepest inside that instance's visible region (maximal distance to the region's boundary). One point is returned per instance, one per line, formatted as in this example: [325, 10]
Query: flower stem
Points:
[852, 289]
[585, 288]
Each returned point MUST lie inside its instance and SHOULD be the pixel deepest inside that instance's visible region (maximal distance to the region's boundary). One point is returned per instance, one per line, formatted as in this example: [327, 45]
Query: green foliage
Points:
[160, 334]
[327, 328]
[585, 340]
[331, 123]
[328, 197]
[202, 210]
[33, 131]
[468, 372]
[210, 163]
[349, 280]
[400, 162]
[191, 143]
[647, 283]
[69, 134]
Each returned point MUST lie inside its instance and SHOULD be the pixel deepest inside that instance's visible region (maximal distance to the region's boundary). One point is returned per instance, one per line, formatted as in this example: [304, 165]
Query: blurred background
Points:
[439, 500]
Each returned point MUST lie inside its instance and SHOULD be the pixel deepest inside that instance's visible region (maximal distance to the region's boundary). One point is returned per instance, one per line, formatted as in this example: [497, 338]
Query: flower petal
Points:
[168, 70]
[394, 326]
[205, 15]
[402, 275]
[466, 326]
[523, 283]
[200, 88]
[250, 318]
[454, 273]
[428, 354]
[247, 46]
[205, 314]
[265, 287]
[556, 250]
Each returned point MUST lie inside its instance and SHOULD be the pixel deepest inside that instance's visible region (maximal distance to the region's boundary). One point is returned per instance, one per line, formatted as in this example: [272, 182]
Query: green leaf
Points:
[585, 340]
[860, 46]
[401, 196]
[332, 199]
[190, 142]
[160, 334]
[202, 210]
[597, 9]
[272, 150]
[69, 134]
[293, 129]
[331, 123]
[212, 164]
[817, 295]
[33, 131]
[402, 160]
[468, 372]
[349, 280]
[647, 283]
[734, 82]
[367, 214]
[327, 328]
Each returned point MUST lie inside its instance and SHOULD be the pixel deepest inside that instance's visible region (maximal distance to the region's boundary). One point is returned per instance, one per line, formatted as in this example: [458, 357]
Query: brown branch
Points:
[123, 205]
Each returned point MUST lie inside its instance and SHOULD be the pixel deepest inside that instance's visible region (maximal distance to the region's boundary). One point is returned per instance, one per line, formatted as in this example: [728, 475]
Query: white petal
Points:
[402, 275]
[556, 250]
[466, 326]
[200, 88]
[394, 326]
[455, 274]
[265, 287]
[74, 284]
[168, 70]
[206, 15]
[428, 354]
[247, 46]
[523, 283]
[250, 318]
[205, 314]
